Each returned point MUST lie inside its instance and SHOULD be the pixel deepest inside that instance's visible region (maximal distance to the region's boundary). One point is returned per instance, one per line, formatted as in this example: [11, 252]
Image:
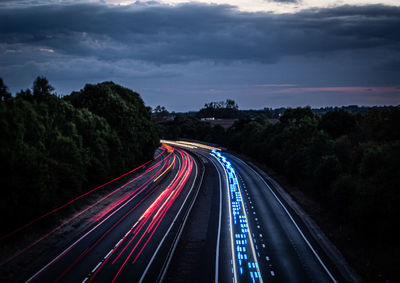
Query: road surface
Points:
[257, 238]
[129, 239]
[194, 214]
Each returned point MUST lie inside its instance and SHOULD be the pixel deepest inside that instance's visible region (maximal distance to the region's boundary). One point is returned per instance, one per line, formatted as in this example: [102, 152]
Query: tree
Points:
[4, 94]
[296, 114]
[41, 87]
[231, 104]
[160, 112]
[337, 123]
[51, 151]
[219, 109]
[124, 110]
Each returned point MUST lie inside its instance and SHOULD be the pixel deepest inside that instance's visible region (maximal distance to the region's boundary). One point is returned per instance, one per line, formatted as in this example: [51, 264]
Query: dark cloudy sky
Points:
[270, 53]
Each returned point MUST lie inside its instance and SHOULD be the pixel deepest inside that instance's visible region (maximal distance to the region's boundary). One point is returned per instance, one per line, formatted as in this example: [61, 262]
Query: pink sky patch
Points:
[346, 89]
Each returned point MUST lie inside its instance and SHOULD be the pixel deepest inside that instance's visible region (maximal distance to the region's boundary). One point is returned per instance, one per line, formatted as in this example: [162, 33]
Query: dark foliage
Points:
[54, 149]
[191, 128]
[337, 123]
[221, 109]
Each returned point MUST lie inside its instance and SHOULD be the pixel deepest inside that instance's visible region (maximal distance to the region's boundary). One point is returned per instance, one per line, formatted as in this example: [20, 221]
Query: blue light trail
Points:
[243, 252]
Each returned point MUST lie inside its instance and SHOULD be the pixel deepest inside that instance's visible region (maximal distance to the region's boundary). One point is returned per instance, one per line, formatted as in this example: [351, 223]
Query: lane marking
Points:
[108, 254]
[219, 223]
[97, 266]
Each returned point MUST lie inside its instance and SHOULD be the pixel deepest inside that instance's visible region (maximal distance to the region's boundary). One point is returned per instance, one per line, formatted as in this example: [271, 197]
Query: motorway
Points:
[130, 238]
[257, 238]
[194, 213]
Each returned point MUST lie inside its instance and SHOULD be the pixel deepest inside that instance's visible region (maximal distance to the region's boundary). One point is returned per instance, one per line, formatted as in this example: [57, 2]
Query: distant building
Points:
[208, 119]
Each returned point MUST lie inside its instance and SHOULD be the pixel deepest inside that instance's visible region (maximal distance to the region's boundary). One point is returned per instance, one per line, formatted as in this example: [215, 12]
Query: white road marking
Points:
[108, 254]
[119, 242]
[97, 266]
[219, 224]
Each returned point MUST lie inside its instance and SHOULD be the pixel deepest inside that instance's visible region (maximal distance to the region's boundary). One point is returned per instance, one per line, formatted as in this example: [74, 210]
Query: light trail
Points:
[245, 265]
[87, 250]
[172, 163]
[142, 231]
[74, 200]
[196, 144]
[156, 212]
[191, 145]
[80, 213]
[177, 144]
[130, 197]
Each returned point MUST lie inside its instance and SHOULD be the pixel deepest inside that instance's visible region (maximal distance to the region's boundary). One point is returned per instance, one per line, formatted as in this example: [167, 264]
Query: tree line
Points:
[53, 149]
[230, 110]
[347, 162]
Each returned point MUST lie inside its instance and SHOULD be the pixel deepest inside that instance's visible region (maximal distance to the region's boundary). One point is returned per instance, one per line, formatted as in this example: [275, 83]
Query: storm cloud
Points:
[148, 39]
[191, 32]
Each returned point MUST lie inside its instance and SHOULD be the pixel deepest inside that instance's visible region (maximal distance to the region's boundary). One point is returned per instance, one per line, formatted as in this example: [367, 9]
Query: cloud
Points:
[176, 54]
[285, 1]
[163, 34]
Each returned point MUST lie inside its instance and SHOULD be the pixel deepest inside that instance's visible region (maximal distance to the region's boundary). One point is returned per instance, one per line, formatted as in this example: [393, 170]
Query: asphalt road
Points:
[130, 239]
[193, 215]
[285, 254]
[247, 234]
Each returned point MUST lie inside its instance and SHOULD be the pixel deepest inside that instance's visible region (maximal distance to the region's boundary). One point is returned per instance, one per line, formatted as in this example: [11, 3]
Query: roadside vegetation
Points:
[53, 149]
[347, 162]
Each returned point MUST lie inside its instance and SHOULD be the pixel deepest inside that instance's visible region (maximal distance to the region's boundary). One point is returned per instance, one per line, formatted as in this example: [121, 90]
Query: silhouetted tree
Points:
[51, 151]
[337, 123]
[41, 87]
[219, 109]
[4, 94]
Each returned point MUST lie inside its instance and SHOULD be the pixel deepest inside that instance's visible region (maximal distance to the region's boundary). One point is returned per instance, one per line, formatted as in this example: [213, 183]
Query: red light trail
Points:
[75, 199]
[132, 244]
[144, 228]
[23, 250]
